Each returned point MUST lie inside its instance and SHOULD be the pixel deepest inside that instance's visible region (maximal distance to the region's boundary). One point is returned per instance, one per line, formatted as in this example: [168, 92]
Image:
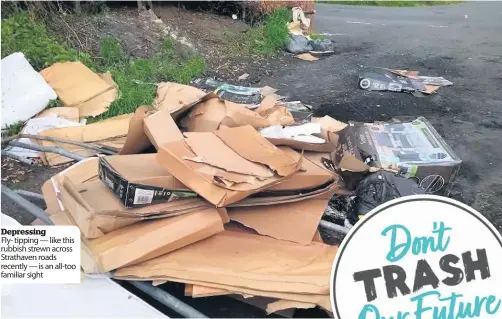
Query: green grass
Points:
[405, 3]
[135, 77]
[265, 39]
[316, 36]
[13, 129]
[24, 33]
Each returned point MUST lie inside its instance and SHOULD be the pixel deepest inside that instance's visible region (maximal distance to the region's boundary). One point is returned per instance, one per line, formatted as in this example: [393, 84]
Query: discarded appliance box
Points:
[227, 165]
[97, 211]
[137, 180]
[413, 149]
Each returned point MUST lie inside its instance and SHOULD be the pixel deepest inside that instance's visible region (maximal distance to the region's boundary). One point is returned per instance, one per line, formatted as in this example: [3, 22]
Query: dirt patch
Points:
[141, 34]
[16, 175]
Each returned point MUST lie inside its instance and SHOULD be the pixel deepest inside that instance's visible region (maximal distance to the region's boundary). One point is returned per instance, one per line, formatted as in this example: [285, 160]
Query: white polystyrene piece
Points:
[24, 90]
[93, 298]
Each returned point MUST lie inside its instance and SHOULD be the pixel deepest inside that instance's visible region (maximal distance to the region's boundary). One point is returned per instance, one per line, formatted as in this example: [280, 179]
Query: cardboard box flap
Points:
[177, 98]
[238, 115]
[127, 166]
[161, 128]
[245, 260]
[137, 141]
[249, 144]
[266, 104]
[213, 151]
[187, 168]
[212, 113]
[309, 177]
[295, 222]
[278, 115]
[205, 116]
[154, 238]
[110, 132]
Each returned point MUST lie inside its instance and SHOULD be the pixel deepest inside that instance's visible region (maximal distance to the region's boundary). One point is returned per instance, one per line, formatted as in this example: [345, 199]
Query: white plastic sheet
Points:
[24, 90]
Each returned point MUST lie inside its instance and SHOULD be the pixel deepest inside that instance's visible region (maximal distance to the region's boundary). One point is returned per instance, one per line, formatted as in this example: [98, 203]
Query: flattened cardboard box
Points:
[137, 180]
[151, 238]
[95, 208]
[227, 165]
[413, 149]
[245, 260]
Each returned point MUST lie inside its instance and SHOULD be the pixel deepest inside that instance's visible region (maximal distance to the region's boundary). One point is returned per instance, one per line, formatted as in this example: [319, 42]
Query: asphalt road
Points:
[461, 42]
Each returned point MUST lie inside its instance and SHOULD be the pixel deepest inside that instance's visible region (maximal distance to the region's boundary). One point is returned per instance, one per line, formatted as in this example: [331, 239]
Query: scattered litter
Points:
[68, 113]
[322, 45]
[234, 16]
[307, 57]
[378, 188]
[212, 113]
[229, 92]
[110, 133]
[176, 98]
[24, 90]
[77, 86]
[233, 166]
[244, 76]
[299, 16]
[34, 126]
[380, 79]
[298, 44]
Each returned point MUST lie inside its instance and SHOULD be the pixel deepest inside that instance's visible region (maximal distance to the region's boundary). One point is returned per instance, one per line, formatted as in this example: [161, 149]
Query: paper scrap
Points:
[307, 57]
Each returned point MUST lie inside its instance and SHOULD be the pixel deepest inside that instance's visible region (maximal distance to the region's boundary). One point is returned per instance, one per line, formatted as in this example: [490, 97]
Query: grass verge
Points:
[405, 3]
[136, 77]
[265, 39]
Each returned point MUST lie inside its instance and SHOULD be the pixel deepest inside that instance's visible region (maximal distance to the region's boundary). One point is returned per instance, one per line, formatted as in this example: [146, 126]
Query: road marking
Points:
[358, 22]
[437, 26]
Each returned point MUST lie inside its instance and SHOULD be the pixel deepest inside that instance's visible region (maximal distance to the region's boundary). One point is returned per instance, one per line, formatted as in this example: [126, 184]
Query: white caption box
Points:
[40, 254]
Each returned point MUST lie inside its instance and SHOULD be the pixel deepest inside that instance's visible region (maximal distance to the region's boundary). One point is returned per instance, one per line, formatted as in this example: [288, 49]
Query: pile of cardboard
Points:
[199, 196]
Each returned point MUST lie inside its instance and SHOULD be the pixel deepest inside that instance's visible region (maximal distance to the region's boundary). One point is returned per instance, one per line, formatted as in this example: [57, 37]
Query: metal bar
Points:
[61, 140]
[17, 158]
[50, 149]
[168, 300]
[24, 203]
[29, 194]
[334, 227]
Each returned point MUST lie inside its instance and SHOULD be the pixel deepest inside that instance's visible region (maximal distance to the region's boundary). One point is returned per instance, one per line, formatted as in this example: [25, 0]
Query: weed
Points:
[54, 103]
[317, 36]
[24, 33]
[265, 39]
[137, 78]
[14, 129]
[403, 3]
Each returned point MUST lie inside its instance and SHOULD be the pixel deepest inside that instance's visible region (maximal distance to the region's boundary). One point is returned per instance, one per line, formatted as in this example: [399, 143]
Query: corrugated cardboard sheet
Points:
[139, 242]
[245, 260]
[111, 132]
[204, 162]
[97, 211]
[77, 86]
